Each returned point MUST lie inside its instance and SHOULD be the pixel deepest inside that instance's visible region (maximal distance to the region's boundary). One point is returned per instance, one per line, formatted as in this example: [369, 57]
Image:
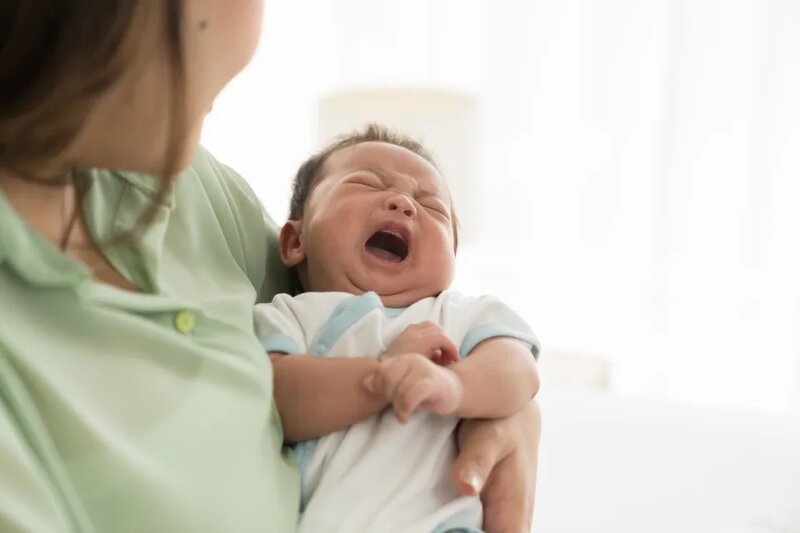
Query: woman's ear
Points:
[292, 251]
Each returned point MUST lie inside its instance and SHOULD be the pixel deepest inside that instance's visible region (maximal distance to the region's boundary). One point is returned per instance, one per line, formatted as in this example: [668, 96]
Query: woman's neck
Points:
[51, 210]
[44, 205]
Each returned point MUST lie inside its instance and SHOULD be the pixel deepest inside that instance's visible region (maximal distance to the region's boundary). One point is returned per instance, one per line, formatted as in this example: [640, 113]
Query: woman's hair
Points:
[56, 58]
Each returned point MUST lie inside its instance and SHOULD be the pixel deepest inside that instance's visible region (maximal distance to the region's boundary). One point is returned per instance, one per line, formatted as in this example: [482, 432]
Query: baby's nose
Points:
[402, 203]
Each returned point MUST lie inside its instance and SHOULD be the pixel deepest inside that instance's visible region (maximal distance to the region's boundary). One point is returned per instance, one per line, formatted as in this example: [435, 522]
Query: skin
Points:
[366, 188]
[491, 457]
[219, 40]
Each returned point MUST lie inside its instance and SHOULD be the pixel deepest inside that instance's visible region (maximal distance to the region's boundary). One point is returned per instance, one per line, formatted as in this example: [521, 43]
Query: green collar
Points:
[32, 257]
[113, 203]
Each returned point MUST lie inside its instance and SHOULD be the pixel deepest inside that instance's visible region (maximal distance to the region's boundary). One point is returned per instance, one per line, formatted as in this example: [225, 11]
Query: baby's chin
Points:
[407, 298]
[391, 293]
[392, 302]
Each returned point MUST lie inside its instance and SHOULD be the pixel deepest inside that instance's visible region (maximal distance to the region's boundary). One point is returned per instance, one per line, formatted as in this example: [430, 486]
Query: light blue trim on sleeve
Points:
[279, 342]
[482, 332]
[446, 528]
[344, 316]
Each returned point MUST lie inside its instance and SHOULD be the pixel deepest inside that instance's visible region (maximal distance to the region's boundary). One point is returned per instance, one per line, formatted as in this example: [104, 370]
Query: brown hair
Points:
[56, 58]
[310, 172]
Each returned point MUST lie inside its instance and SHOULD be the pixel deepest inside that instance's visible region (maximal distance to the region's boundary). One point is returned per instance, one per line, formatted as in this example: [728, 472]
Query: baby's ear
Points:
[292, 251]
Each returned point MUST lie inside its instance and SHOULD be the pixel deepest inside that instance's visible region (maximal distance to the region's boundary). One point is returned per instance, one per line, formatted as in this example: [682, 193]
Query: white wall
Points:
[638, 167]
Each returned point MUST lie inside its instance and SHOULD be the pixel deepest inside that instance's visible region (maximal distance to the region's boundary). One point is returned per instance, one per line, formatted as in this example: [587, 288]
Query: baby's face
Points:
[380, 219]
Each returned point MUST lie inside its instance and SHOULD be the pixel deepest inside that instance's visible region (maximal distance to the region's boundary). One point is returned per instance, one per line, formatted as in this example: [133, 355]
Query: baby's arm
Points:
[497, 379]
[314, 395]
[319, 395]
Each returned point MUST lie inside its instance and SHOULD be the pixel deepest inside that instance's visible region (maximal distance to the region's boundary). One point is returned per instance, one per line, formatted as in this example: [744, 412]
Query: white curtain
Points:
[638, 167]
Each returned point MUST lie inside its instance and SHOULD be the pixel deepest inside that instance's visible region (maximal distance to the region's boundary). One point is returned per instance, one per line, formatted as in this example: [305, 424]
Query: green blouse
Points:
[150, 411]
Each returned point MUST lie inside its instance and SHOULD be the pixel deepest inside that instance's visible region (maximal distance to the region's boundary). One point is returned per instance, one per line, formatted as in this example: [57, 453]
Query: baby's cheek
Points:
[445, 264]
[447, 243]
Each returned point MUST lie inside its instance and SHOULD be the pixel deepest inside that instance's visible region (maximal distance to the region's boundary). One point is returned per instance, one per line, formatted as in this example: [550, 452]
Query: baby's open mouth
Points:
[388, 245]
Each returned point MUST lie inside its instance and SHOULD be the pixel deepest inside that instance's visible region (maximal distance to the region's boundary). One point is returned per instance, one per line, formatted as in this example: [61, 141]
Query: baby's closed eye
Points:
[436, 207]
[367, 180]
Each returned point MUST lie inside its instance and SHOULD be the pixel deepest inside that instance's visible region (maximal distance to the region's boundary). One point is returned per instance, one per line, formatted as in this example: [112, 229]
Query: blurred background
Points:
[628, 176]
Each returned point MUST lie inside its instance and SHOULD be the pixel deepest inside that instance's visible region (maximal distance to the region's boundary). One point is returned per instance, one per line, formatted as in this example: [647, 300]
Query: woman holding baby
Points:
[134, 395]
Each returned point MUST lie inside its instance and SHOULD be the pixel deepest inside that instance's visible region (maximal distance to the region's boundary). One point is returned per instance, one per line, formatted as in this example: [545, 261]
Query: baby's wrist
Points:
[373, 368]
[459, 391]
[391, 353]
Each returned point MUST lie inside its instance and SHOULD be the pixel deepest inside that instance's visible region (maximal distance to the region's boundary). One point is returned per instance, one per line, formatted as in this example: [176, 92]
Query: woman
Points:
[133, 393]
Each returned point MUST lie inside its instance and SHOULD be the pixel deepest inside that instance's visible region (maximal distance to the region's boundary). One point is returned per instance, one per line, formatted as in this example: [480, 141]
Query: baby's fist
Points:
[411, 381]
[425, 338]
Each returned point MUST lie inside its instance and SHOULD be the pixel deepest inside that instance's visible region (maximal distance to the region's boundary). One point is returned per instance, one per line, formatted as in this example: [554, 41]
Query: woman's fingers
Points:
[509, 493]
[483, 444]
[508, 497]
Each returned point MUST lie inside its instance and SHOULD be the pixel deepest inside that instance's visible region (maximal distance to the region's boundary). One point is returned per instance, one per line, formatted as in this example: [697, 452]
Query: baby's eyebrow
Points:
[419, 192]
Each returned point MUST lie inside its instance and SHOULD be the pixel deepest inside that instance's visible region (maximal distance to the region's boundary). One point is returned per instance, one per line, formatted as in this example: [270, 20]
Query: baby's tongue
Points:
[384, 254]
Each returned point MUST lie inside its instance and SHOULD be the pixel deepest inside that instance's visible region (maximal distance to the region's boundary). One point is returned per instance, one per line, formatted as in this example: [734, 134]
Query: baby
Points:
[372, 238]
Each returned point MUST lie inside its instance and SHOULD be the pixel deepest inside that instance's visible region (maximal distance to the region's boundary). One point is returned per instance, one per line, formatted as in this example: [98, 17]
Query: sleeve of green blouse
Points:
[251, 233]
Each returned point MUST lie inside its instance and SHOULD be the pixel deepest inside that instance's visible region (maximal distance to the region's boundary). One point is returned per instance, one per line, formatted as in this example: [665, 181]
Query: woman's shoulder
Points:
[249, 231]
[211, 211]
[205, 176]
[225, 188]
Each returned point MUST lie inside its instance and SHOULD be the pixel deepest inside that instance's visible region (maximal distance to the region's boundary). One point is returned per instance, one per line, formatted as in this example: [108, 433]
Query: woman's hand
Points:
[498, 459]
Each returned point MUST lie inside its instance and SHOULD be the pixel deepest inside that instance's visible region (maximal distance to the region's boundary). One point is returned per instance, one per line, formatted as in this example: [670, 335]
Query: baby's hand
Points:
[425, 338]
[411, 381]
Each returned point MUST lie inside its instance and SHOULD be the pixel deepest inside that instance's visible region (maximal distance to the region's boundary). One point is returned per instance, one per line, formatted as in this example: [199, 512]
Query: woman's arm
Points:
[498, 459]
[319, 395]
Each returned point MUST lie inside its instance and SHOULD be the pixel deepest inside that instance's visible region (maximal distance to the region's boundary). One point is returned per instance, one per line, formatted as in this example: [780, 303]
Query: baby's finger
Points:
[372, 384]
[376, 382]
[401, 416]
[414, 375]
[448, 358]
[404, 387]
[416, 395]
[449, 351]
[392, 373]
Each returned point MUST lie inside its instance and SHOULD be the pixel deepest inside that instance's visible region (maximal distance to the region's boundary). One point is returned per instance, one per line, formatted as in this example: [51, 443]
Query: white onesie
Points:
[378, 474]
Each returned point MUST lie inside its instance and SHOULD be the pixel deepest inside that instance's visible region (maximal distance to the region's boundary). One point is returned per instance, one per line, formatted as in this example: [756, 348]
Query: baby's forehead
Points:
[388, 161]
